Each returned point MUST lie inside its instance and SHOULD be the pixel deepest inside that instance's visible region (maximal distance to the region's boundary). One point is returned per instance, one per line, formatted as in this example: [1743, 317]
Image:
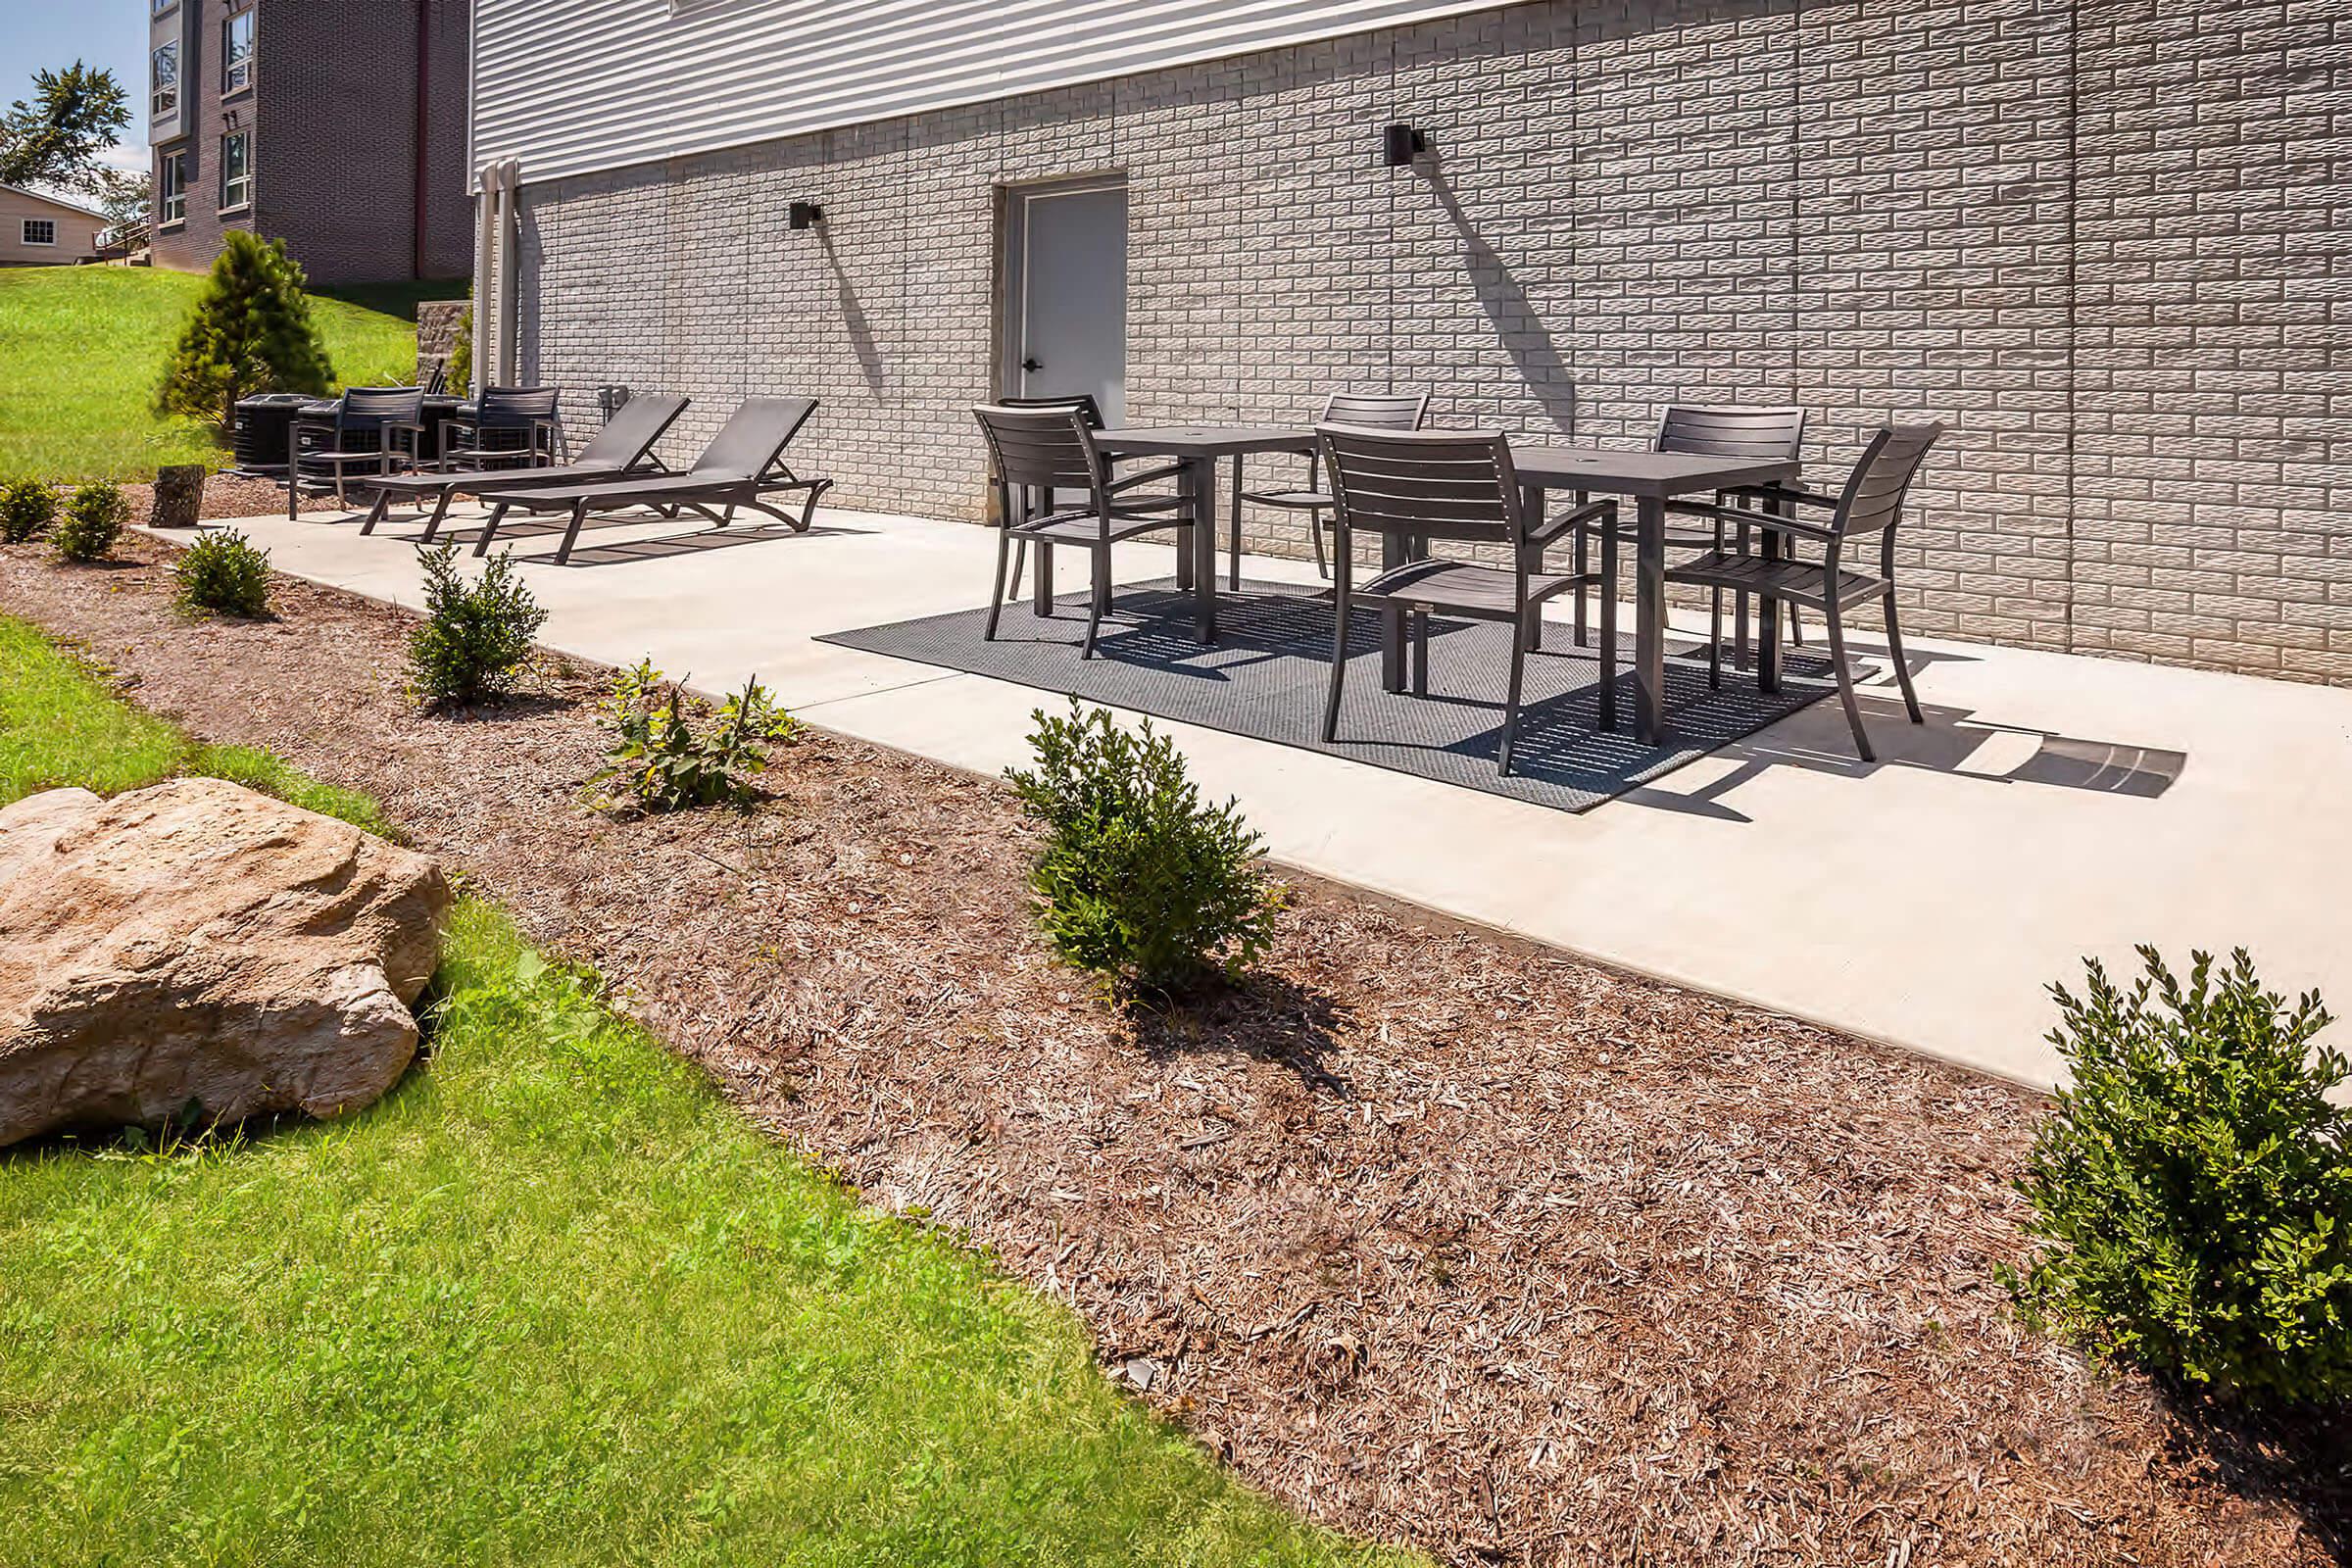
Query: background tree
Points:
[251, 332]
[56, 138]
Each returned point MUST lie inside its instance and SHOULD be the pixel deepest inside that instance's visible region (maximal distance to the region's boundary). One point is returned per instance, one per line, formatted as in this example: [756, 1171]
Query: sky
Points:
[51, 33]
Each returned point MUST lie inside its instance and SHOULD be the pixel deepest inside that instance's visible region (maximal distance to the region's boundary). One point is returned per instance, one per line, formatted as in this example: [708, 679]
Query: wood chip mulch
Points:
[1441, 1238]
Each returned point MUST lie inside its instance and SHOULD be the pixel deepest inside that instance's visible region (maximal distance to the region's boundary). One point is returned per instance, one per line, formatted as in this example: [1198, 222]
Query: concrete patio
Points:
[2052, 807]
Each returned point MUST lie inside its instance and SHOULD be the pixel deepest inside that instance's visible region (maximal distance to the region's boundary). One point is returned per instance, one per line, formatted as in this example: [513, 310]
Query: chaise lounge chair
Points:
[743, 462]
[622, 448]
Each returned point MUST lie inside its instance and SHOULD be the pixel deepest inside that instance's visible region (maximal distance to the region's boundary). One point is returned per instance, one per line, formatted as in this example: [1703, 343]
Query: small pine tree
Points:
[252, 332]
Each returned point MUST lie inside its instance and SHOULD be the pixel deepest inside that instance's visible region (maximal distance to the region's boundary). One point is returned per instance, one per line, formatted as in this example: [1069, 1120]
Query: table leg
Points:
[1768, 624]
[1041, 586]
[1530, 511]
[1650, 623]
[1196, 482]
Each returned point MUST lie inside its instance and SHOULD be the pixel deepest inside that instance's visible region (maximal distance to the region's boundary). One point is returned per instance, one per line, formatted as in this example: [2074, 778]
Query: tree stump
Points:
[178, 497]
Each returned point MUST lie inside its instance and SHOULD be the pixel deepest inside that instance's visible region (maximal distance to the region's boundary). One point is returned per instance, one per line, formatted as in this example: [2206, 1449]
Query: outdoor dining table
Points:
[1649, 479]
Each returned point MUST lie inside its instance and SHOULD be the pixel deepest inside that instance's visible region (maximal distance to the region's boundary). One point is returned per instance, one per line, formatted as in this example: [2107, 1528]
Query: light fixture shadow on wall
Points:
[1400, 144]
[804, 215]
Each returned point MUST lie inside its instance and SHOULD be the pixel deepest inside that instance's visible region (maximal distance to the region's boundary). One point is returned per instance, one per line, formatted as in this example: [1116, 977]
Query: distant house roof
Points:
[43, 196]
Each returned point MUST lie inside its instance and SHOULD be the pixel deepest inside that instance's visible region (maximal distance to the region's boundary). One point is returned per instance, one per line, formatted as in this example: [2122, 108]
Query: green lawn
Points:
[81, 349]
[550, 1301]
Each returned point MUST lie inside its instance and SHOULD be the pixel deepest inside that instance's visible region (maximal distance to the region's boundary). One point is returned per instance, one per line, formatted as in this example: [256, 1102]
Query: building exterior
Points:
[336, 126]
[37, 230]
[2106, 239]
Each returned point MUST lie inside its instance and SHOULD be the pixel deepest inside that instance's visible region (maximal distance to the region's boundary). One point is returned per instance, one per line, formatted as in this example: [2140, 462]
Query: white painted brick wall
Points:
[2108, 243]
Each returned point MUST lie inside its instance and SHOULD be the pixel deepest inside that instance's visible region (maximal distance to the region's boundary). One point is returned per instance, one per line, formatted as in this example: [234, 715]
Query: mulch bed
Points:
[1440, 1237]
[227, 495]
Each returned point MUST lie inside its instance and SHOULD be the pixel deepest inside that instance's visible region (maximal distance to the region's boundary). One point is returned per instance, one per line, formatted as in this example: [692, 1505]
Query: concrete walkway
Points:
[2052, 807]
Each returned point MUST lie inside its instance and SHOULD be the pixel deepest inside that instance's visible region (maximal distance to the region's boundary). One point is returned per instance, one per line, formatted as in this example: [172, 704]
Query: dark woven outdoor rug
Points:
[1265, 679]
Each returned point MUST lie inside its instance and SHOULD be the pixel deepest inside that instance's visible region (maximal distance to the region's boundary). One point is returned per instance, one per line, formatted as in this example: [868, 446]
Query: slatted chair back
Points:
[370, 408]
[1731, 430]
[755, 435]
[1872, 499]
[1375, 411]
[632, 430]
[1045, 448]
[1083, 402]
[514, 407]
[1425, 485]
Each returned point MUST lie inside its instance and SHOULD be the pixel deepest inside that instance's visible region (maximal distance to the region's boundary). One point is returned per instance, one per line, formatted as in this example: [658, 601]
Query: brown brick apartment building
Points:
[336, 126]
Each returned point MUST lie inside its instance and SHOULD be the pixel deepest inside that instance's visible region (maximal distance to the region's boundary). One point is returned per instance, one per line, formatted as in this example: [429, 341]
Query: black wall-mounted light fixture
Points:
[1399, 143]
[806, 215]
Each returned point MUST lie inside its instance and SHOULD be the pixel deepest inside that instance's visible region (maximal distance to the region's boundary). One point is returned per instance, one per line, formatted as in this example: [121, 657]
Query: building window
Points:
[163, 7]
[171, 189]
[162, 69]
[236, 170]
[40, 231]
[236, 51]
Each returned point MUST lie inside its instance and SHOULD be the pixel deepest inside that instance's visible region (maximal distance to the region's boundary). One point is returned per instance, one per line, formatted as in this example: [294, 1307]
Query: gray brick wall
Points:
[2108, 243]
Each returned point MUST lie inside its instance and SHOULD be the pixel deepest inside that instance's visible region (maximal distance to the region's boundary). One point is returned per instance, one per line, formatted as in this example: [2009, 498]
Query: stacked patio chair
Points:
[742, 466]
[1411, 487]
[363, 429]
[1366, 410]
[510, 424]
[1051, 451]
[1761, 562]
[624, 447]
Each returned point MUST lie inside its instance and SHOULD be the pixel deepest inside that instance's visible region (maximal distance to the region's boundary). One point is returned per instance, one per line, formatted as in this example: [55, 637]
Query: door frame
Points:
[1012, 249]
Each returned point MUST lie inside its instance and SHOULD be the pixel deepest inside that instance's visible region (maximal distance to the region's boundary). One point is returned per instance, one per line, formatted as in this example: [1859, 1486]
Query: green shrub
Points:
[475, 637]
[1139, 881]
[27, 507]
[223, 572]
[251, 332]
[2192, 1190]
[665, 763]
[91, 522]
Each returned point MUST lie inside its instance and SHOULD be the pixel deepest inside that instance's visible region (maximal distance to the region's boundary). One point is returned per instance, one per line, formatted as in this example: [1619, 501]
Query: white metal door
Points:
[1069, 333]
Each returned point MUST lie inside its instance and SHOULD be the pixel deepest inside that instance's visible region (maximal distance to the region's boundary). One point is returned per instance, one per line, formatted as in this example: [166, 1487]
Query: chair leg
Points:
[1902, 666]
[571, 530]
[1315, 527]
[1715, 641]
[1510, 710]
[1233, 575]
[1339, 664]
[498, 515]
[1421, 654]
[996, 600]
[1096, 600]
[1796, 630]
[1846, 682]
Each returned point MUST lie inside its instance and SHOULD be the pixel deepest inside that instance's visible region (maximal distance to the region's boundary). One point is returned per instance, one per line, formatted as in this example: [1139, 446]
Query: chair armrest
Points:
[1765, 521]
[1167, 471]
[1794, 493]
[1601, 512]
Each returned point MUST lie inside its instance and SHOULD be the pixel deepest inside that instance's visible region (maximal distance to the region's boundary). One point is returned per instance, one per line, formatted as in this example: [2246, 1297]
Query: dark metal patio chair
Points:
[1441, 484]
[362, 430]
[1718, 430]
[1032, 503]
[1049, 450]
[1870, 504]
[1365, 411]
[510, 424]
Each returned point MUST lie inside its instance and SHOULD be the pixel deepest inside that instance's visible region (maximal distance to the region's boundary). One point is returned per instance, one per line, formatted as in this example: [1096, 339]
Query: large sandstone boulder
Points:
[197, 942]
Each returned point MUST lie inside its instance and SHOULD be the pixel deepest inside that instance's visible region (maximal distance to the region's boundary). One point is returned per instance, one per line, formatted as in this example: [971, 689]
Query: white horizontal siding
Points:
[568, 87]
